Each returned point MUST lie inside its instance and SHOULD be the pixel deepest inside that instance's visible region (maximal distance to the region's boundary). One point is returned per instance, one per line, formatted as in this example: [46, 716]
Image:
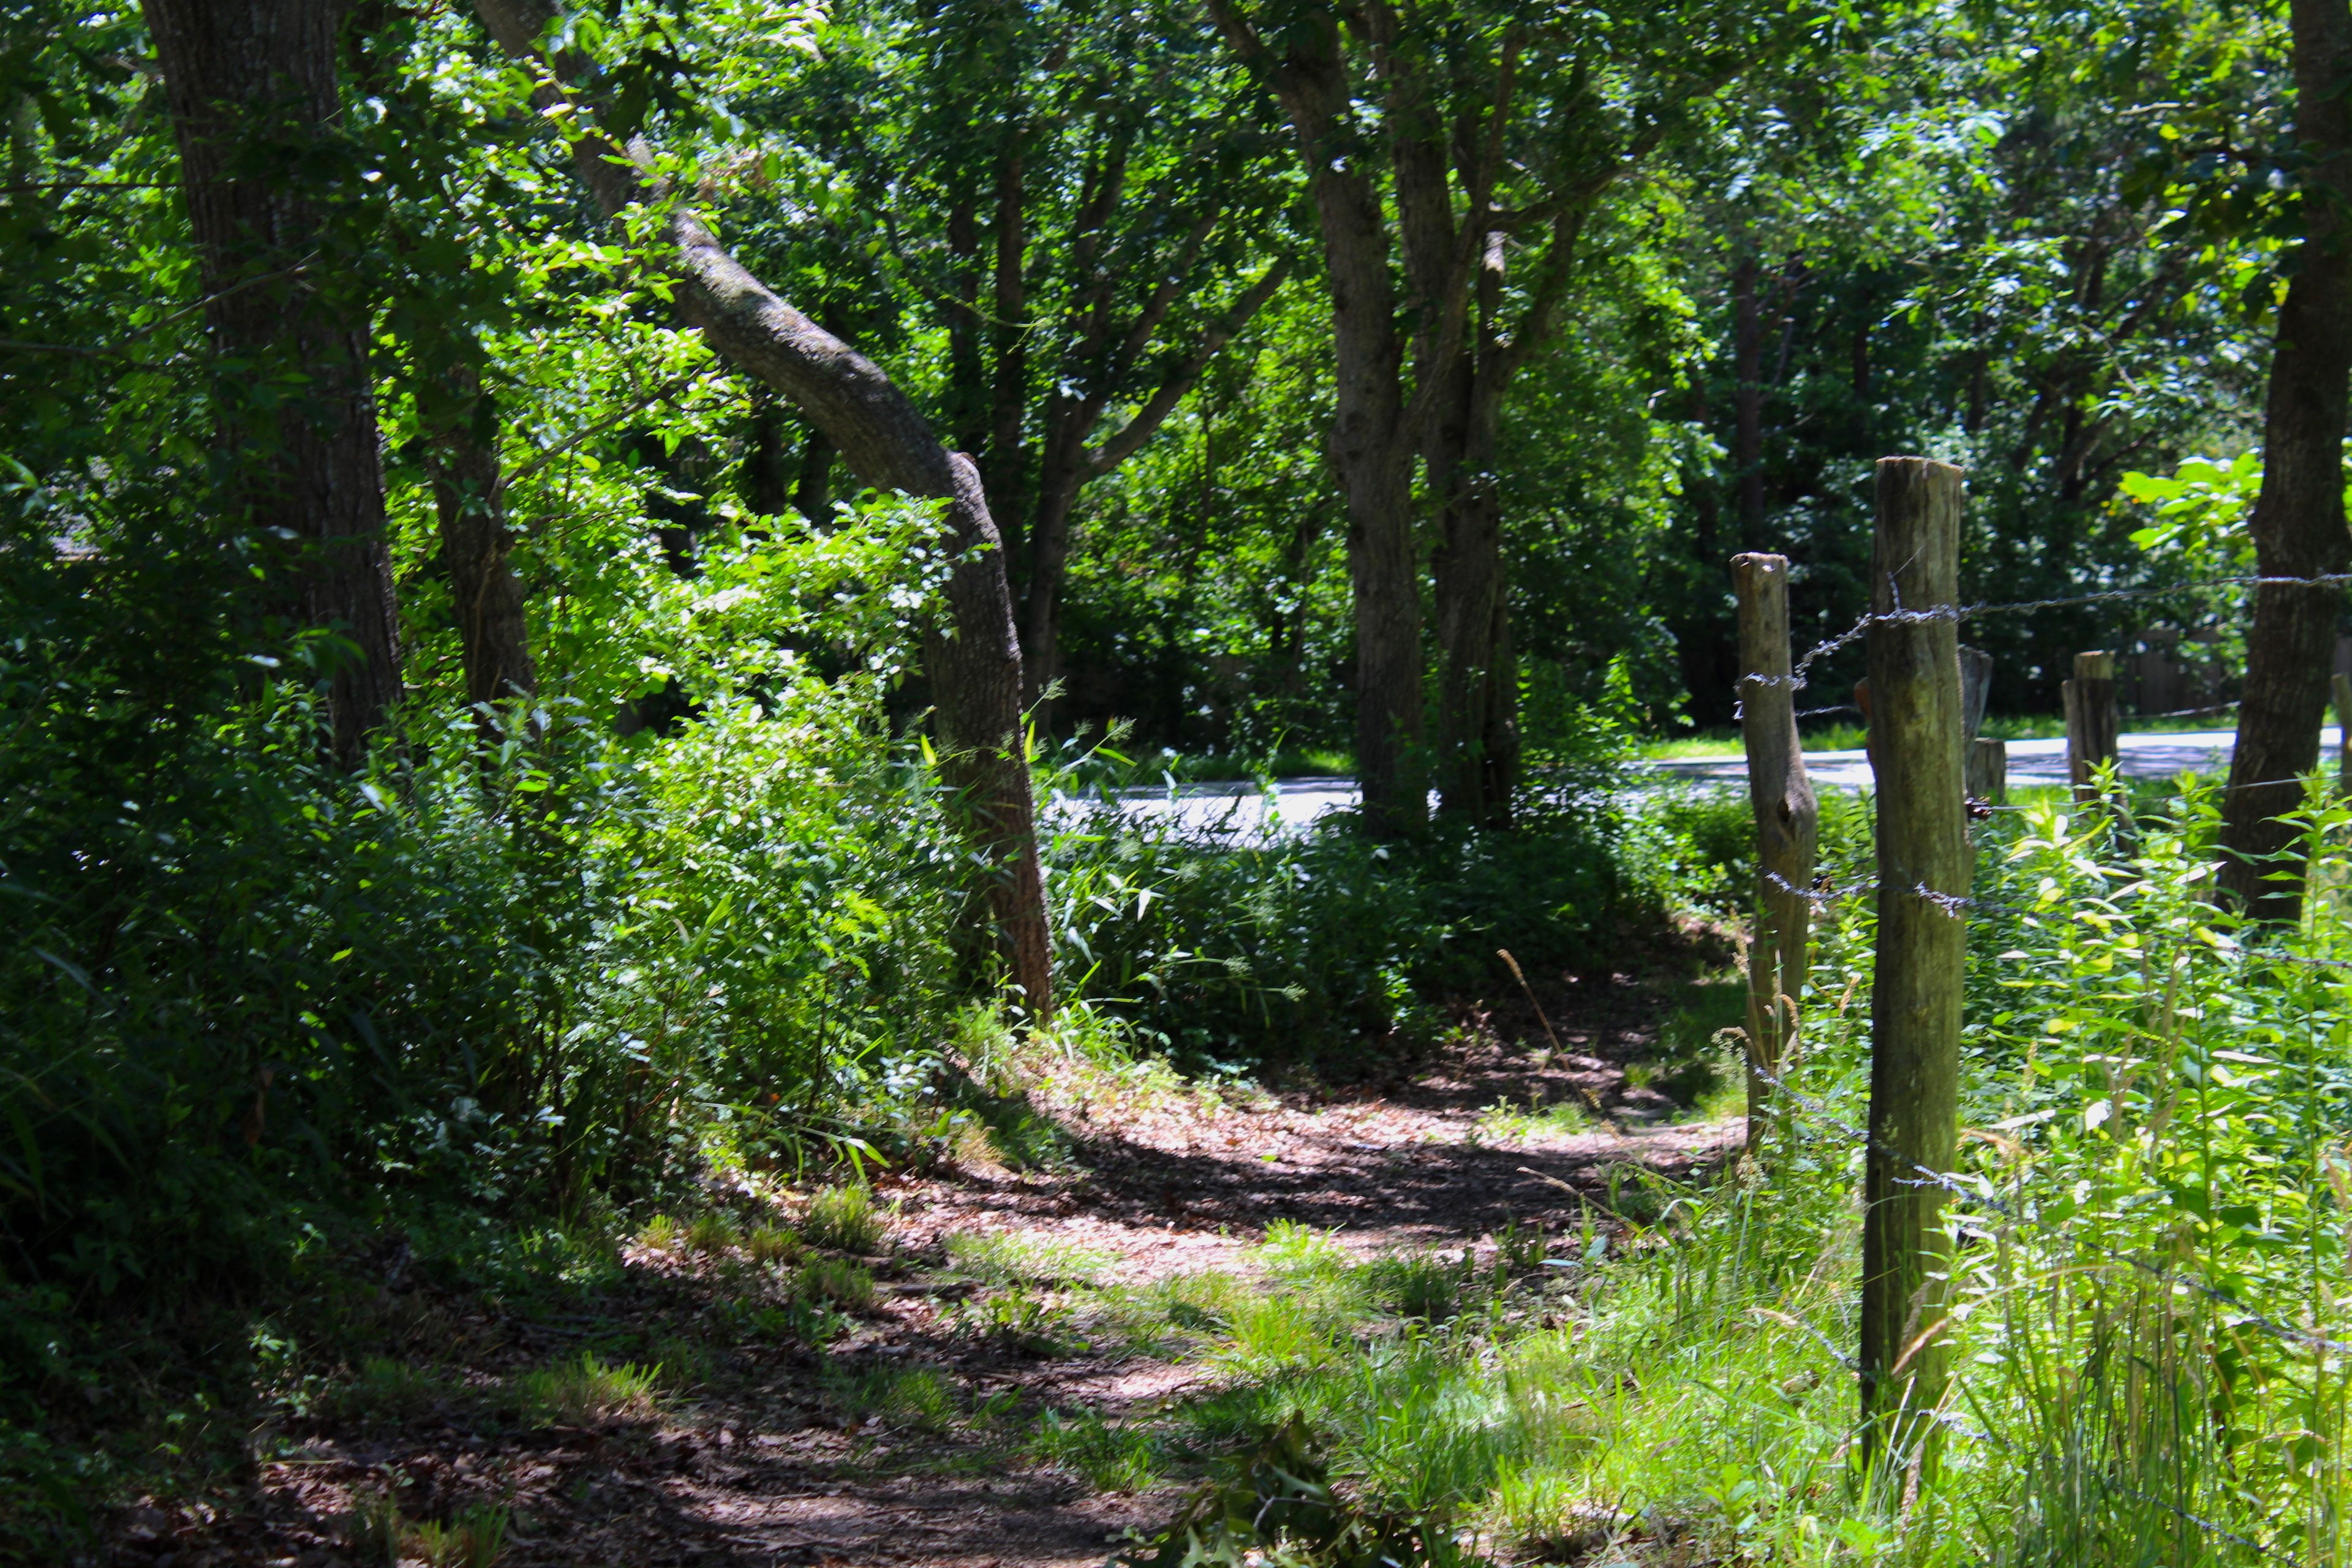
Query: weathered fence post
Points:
[2091, 722]
[1787, 820]
[1923, 870]
[1984, 765]
[2342, 687]
[1976, 687]
[1988, 770]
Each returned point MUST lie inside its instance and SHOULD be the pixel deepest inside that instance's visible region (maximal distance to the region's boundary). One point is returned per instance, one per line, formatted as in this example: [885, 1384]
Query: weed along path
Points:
[1032, 1353]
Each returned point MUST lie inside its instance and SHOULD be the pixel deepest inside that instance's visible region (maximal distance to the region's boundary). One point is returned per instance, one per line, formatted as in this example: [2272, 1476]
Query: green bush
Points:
[1222, 950]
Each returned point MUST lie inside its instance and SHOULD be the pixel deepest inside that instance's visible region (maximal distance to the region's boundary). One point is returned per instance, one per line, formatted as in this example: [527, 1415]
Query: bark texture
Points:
[1370, 447]
[972, 655]
[1788, 820]
[1444, 143]
[251, 86]
[1925, 867]
[2298, 520]
[469, 502]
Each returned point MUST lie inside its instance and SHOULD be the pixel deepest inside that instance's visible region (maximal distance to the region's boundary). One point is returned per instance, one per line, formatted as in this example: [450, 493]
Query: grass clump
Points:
[772, 1243]
[587, 1392]
[1416, 1285]
[476, 1538]
[661, 1234]
[1012, 1257]
[902, 1398]
[711, 1234]
[1019, 1319]
[1107, 1458]
[844, 1219]
[836, 1282]
[1504, 1123]
[1295, 1251]
[378, 1536]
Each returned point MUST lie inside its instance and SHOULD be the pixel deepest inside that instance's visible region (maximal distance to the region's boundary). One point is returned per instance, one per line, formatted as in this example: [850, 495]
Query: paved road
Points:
[2030, 762]
[1298, 803]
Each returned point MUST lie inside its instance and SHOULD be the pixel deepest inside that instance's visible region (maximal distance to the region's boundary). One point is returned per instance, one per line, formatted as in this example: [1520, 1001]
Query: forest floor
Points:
[984, 1409]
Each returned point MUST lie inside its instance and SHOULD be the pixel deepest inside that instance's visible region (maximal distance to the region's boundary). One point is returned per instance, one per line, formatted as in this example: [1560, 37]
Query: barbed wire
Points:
[1807, 1117]
[1953, 1186]
[1797, 678]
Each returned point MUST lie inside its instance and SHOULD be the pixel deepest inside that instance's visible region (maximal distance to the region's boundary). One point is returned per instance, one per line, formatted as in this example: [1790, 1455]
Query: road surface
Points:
[1296, 804]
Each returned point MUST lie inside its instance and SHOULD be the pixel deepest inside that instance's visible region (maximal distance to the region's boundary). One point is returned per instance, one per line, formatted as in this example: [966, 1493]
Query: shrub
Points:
[1224, 950]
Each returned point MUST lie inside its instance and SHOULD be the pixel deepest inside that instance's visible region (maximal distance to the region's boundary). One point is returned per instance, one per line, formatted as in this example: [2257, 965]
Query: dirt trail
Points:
[765, 1467]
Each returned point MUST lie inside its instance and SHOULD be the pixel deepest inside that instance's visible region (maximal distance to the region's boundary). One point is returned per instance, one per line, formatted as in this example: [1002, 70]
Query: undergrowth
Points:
[2149, 1233]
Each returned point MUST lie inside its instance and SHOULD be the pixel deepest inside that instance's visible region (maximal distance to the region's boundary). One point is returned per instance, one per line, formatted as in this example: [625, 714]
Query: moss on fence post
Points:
[1787, 825]
[1924, 874]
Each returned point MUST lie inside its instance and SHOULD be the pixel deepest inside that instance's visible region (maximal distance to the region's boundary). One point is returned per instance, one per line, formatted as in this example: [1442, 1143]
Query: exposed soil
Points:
[765, 1467]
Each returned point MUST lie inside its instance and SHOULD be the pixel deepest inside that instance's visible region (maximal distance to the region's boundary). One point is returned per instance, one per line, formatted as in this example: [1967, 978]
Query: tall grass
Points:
[2149, 1226]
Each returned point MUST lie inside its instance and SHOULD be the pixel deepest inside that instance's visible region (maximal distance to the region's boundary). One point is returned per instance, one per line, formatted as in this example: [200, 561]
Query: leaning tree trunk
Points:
[2298, 520]
[461, 456]
[972, 655]
[252, 89]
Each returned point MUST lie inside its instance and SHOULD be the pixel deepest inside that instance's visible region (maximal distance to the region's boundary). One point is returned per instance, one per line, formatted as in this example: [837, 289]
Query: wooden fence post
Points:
[1976, 687]
[1988, 770]
[1984, 765]
[2091, 722]
[2342, 687]
[1786, 824]
[1924, 870]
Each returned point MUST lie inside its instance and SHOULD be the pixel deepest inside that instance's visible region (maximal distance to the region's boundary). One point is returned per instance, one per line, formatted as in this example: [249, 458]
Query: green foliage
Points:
[1014, 1257]
[902, 1398]
[1107, 1458]
[844, 1220]
[835, 1281]
[587, 1392]
[1300, 946]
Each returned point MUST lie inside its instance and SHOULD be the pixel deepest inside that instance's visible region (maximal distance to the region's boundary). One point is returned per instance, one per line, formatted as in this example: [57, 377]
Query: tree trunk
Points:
[2298, 520]
[971, 653]
[762, 481]
[1369, 451]
[1474, 712]
[461, 456]
[1049, 566]
[812, 486]
[252, 86]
